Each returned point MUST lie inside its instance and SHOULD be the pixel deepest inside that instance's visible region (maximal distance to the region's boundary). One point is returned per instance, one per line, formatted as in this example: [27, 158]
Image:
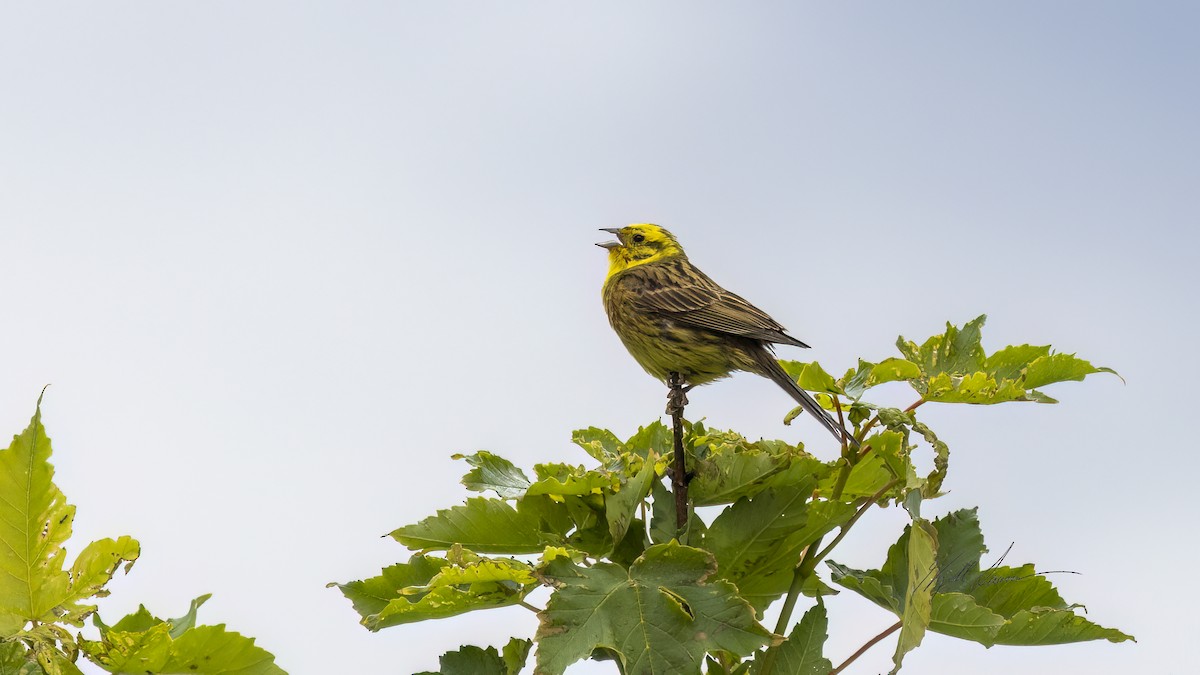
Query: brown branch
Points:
[677, 399]
[870, 643]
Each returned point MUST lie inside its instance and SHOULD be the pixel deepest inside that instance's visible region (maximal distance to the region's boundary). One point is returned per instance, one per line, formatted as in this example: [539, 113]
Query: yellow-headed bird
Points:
[674, 319]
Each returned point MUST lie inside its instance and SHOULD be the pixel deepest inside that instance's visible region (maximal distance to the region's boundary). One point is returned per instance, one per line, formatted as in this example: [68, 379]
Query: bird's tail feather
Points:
[774, 371]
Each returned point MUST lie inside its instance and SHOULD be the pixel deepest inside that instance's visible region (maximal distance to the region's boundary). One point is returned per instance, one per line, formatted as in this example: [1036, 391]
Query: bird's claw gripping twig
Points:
[677, 394]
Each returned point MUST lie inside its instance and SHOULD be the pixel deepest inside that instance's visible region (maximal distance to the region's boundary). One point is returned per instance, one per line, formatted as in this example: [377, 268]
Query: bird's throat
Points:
[621, 259]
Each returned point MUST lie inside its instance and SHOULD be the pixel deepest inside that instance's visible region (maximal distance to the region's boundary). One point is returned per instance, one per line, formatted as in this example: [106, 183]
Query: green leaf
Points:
[978, 387]
[655, 438]
[434, 588]
[141, 643]
[726, 467]
[1059, 368]
[515, 653]
[621, 507]
[957, 615]
[93, 569]
[483, 525]
[918, 596]
[213, 650]
[371, 596]
[757, 541]
[187, 621]
[15, 660]
[880, 466]
[1010, 362]
[601, 444]
[659, 616]
[563, 479]
[662, 514]
[958, 350]
[1046, 626]
[35, 521]
[857, 381]
[803, 653]
[472, 660]
[954, 369]
[494, 473]
[811, 376]
[999, 605]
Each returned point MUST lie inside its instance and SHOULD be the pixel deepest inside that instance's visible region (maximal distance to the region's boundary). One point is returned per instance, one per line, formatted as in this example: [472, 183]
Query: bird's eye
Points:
[639, 238]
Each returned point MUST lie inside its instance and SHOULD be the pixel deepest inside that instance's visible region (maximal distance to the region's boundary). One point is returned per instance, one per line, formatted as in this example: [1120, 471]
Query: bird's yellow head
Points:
[639, 244]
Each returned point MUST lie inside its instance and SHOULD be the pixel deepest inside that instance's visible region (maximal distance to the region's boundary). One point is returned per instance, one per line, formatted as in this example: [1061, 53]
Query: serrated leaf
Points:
[139, 621]
[1010, 362]
[469, 660]
[141, 643]
[655, 438]
[1059, 368]
[1046, 626]
[757, 541]
[958, 350]
[213, 650]
[954, 368]
[564, 479]
[434, 588]
[371, 596]
[659, 616]
[482, 524]
[492, 472]
[726, 467]
[999, 605]
[978, 388]
[960, 546]
[601, 444]
[144, 651]
[93, 569]
[803, 653]
[515, 653]
[484, 570]
[35, 522]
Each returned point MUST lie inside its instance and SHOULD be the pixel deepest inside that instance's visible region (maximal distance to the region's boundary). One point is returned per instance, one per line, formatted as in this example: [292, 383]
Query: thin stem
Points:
[870, 643]
[677, 399]
[804, 570]
[808, 562]
[858, 514]
[528, 606]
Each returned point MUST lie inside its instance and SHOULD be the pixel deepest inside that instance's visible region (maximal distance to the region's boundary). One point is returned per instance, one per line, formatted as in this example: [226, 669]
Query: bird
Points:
[685, 329]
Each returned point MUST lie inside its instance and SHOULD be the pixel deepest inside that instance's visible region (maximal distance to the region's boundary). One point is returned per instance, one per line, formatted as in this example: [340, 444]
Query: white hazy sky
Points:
[280, 260]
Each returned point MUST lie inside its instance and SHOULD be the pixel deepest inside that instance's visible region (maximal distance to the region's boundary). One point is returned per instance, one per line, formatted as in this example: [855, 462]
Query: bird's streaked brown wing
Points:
[685, 294]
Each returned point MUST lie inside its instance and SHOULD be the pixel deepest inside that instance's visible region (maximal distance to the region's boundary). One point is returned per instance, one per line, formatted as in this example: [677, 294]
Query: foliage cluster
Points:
[42, 599]
[628, 586]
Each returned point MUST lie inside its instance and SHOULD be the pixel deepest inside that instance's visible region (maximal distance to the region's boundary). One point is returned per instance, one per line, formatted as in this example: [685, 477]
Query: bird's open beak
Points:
[610, 244]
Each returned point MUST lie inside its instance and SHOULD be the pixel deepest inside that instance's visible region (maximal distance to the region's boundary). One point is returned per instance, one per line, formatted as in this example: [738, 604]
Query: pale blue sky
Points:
[280, 260]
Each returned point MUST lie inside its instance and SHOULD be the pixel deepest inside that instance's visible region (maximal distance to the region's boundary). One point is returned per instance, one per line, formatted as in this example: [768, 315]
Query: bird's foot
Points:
[677, 395]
